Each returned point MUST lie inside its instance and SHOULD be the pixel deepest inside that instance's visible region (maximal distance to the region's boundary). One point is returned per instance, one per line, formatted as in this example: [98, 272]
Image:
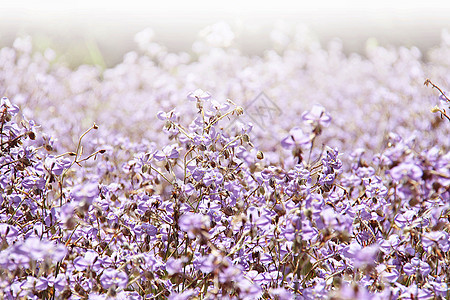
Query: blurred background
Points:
[89, 31]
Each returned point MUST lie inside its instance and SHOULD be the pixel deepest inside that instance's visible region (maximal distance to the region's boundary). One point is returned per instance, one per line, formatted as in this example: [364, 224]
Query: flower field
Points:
[302, 173]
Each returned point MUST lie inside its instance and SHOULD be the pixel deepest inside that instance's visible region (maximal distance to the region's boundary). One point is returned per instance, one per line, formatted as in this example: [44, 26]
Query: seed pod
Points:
[259, 155]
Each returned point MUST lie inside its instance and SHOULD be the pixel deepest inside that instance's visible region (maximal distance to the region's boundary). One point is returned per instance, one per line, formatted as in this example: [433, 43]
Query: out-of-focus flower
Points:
[174, 265]
[193, 223]
[167, 152]
[186, 295]
[199, 94]
[410, 170]
[85, 192]
[316, 116]
[296, 138]
[112, 277]
[90, 259]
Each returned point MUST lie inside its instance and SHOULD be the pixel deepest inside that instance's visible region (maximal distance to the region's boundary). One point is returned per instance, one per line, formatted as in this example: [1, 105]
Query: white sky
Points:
[176, 22]
[203, 7]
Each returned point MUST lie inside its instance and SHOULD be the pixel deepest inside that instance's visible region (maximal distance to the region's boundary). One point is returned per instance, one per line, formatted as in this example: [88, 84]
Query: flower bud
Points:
[435, 109]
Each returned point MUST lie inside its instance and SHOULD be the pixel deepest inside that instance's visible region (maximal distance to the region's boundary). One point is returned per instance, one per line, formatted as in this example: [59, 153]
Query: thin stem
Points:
[428, 81]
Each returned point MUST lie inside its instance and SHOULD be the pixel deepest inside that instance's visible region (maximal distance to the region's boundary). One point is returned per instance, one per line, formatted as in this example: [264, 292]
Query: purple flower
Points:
[438, 238]
[212, 176]
[195, 172]
[309, 233]
[171, 115]
[354, 292]
[392, 242]
[316, 116]
[332, 160]
[202, 140]
[376, 189]
[388, 274]
[85, 192]
[300, 172]
[90, 257]
[327, 179]
[199, 94]
[404, 219]
[410, 170]
[230, 274]
[193, 223]
[416, 265]
[32, 181]
[206, 264]
[57, 166]
[281, 294]
[296, 138]
[186, 295]
[112, 277]
[11, 109]
[440, 288]
[174, 265]
[167, 152]
[364, 172]
[39, 249]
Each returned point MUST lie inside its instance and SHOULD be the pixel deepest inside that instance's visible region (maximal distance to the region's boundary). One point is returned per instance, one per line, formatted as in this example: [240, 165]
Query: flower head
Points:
[199, 94]
[316, 116]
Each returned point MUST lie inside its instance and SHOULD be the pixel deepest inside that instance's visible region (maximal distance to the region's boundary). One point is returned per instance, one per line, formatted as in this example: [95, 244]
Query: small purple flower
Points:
[440, 288]
[174, 266]
[388, 274]
[418, 293]
[364, 172]
[197, 173]
[12, 109]
[186, 295]
[281, 294]
[296, 138]
[376, 189]
[43, 283]
[300, 172]
[206, 264]
[199, 94]
[85, 192]
[202, 140]
[171, 115]
[316, 116]
[32, 181]
[410, 170]
[82, 263]
[193, 223]
[167, 152]
[212, 176]
[112, 276]
[332, 160]
[327, 179]
[392, 242]
[404, 219]
[57, 166]
[416, 265]
[309, 233]
[438, 238]
[230, 274]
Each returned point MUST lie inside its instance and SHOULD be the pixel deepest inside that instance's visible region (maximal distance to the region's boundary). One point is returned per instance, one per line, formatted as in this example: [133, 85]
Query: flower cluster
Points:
[204, 204]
